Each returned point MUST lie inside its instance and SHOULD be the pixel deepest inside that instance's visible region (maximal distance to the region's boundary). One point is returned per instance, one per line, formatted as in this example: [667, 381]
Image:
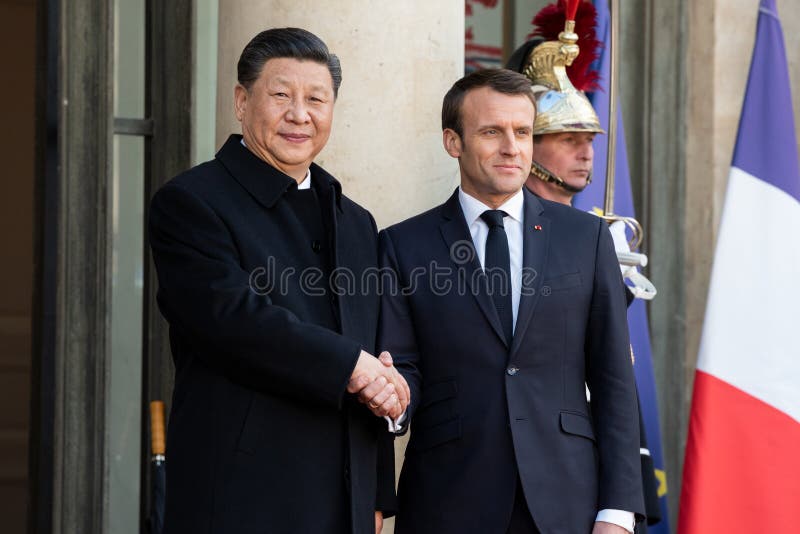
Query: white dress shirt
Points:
[306, 183]
[479, 230]
[514, 223]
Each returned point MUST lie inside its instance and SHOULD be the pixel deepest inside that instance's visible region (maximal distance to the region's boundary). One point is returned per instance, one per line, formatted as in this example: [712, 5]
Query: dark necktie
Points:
[497, 265]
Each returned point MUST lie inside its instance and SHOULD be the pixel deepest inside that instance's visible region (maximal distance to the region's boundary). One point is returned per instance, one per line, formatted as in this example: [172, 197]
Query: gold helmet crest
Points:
[561, 107]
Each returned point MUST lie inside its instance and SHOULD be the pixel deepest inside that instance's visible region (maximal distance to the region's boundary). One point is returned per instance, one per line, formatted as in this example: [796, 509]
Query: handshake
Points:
[379, 385]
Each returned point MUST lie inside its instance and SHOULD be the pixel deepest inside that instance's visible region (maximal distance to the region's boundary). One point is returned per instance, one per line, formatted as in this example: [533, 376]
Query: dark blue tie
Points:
[497, 265]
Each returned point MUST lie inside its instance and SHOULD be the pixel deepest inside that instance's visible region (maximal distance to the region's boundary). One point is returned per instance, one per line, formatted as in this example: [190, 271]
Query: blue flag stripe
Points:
[767, 111]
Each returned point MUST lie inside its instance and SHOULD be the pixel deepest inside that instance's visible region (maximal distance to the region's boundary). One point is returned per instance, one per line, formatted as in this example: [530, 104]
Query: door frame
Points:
[75, 126]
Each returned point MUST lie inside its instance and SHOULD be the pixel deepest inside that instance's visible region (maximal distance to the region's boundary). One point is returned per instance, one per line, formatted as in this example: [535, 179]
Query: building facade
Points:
[105, 100]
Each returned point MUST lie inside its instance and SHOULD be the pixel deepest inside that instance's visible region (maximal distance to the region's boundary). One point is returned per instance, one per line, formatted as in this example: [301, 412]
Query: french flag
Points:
[742, 466]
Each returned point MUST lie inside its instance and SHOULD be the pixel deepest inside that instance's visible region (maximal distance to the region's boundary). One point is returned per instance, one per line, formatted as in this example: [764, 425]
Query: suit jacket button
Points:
[512, 371]
[316, 246]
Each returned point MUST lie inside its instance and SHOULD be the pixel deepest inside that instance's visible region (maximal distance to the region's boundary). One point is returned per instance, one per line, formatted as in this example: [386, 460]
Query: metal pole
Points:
[509, 25]
[608, 205]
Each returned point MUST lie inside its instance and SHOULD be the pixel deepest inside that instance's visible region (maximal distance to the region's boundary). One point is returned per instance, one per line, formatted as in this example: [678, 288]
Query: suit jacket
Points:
[262, 435]
[485, 412]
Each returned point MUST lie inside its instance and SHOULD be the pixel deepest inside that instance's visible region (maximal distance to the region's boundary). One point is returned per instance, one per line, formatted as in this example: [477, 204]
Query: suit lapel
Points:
[462, 253]
[535, 238]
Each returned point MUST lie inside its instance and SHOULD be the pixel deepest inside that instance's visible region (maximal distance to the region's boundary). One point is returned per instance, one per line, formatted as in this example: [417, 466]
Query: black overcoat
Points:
[263, 437]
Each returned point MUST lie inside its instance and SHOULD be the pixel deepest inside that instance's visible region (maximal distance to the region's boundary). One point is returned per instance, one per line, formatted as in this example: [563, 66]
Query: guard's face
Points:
[568, 155]
[287, 114]
[494, 154]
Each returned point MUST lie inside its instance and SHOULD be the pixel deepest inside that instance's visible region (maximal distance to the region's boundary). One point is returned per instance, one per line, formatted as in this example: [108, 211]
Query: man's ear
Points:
[239, 101]
[452, 143]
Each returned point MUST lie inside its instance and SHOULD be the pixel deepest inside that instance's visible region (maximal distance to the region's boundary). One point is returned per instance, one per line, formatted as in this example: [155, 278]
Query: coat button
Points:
[316, 246]
[512, 371]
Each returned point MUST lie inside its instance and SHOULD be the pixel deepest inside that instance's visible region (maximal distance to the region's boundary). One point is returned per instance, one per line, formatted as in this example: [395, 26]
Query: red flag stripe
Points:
[742, 467]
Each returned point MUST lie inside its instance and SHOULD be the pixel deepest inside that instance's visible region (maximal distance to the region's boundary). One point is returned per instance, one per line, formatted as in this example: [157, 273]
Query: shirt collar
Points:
[306, 183]
[473, 208]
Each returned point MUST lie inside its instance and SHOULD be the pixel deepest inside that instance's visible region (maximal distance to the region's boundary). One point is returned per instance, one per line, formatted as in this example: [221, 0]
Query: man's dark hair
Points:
[501, 80]
[285, 42]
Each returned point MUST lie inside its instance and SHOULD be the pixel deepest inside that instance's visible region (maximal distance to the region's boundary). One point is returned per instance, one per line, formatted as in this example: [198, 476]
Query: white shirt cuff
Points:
[396, 425]
[626, 520]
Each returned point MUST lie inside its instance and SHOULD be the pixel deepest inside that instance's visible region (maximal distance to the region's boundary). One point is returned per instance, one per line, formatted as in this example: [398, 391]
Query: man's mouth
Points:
[507, 167]
[295, 137]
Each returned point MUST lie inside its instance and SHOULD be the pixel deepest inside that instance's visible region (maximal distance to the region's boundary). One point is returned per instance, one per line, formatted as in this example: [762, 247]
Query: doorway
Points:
[17, 140]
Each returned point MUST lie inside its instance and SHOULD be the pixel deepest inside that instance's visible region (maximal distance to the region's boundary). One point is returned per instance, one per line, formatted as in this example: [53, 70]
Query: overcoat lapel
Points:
[263, 181]
[535, 238]
[462, 253]
[330, 193]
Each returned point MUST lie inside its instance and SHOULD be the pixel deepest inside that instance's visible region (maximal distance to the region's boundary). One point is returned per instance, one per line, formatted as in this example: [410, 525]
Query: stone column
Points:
[398, 60]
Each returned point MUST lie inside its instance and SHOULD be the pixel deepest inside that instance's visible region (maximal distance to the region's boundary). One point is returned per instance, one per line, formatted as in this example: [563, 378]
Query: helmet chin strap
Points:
[547, 176]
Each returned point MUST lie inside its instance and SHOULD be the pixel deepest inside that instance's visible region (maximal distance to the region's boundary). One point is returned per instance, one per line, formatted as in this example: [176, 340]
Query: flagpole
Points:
[608, 203]
[611, 156]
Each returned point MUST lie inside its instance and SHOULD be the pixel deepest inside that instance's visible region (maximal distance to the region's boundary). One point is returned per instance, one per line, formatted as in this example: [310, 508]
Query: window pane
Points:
[125, 404]
[206, 39]
[129, 78]
[126, 334]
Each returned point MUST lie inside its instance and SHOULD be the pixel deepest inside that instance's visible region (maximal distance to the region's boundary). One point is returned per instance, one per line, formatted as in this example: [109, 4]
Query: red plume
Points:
[572, 8]
[549, 22]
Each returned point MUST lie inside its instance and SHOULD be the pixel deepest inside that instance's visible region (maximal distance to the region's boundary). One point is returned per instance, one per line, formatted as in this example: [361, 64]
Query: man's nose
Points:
[509, 145]
[298, 112]
[586, 152]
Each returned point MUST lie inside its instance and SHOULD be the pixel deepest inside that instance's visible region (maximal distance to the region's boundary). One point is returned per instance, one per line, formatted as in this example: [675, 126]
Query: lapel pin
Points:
[537, 227]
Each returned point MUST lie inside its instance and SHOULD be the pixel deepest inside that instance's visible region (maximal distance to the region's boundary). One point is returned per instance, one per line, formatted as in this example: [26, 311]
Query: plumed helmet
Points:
[550, 59]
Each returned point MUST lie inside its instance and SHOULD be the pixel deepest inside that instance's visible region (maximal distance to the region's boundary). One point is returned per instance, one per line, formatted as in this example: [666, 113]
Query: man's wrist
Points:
[395, 425]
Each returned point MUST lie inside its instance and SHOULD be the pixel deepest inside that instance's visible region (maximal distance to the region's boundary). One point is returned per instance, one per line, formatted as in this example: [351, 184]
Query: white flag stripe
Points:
[751, 334]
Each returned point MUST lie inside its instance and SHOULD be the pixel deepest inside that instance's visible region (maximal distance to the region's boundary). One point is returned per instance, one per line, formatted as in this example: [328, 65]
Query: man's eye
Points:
[490, 132]
[281, 95]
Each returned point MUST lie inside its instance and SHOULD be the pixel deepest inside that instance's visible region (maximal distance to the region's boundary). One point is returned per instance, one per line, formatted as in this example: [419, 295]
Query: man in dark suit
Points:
[511, 304]
[266, 433]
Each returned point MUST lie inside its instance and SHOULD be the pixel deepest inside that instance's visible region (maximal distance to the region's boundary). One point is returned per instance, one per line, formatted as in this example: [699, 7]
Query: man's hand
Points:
[381, 398]
[601, 527]
[379, 385]
[380, 395]
[386, 359]
[378, 521]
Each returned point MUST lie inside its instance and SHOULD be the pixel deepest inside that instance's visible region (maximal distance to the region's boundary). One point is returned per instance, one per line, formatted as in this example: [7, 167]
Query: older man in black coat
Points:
[266, 433]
